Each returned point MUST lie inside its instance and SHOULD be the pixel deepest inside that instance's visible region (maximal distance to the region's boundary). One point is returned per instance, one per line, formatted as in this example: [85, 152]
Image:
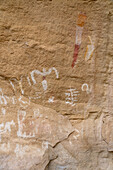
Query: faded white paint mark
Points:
[20, 84]
[45, 144]
[70, 142]
[3, 111]
[51, 100]
[26, 43]
[2, 98]
[89, 50]
[77, 130]
[20, 150]
[37, 96]
[4, 128]
[99, 127]
[37, 113]
[61, 167]
[76, 136]
[23, 103]
[5, 147]
[12, 85]
[14, 100]
[28, 79]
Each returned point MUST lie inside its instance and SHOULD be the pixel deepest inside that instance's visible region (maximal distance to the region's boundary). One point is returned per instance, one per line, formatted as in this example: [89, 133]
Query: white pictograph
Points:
[85, 87]
[5, 147]
[28, 79]
[12, 80]
[44, 84]
[45, 144]
[21, 125]
[71, 96]
[89, 50]
[4, 128]
[11, 83]
[23, 103]
[78, 134]
[2, 98]
[21, 150]
[20, 84]
[3, 110]
[37, 113]
[51, 100]
[14, 100]
[37, 94]
[44, 74]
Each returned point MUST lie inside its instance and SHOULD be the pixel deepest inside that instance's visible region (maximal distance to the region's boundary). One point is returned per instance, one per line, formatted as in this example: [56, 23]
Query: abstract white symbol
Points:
[89, 50]
[75, 137]
[85, 87]
[71, 96]
[51, 100]
[45, 144]
[44, 73]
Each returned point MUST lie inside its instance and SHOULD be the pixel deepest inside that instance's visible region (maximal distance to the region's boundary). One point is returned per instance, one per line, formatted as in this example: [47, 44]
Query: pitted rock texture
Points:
[56, 85]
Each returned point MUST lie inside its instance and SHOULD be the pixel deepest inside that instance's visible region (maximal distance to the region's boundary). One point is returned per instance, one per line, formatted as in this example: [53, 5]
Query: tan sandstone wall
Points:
[56, 84]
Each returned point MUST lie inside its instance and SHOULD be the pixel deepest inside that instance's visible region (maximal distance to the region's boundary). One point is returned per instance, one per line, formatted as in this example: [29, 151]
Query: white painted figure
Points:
[44, 73]
[21, 125]
[71, 96]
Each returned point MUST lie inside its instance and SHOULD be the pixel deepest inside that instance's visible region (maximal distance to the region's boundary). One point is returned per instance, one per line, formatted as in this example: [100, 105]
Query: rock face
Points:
[56, 85]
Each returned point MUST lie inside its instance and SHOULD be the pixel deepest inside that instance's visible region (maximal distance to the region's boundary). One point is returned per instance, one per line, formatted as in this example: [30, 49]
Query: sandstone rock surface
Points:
[56, 85]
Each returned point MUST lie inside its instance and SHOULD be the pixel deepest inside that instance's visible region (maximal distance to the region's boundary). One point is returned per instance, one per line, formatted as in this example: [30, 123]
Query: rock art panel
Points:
[53, 116]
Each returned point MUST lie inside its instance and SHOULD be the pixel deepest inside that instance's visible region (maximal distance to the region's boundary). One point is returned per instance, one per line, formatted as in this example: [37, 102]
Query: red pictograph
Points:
[79, 30]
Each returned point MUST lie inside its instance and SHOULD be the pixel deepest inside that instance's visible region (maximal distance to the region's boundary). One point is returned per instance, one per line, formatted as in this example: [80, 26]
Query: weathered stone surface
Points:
[56, 85]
